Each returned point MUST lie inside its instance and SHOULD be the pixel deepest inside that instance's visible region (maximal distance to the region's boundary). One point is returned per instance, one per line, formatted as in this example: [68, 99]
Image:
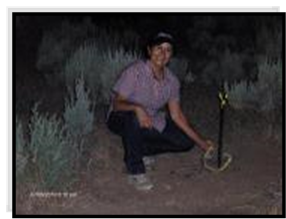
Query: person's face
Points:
[161, 54]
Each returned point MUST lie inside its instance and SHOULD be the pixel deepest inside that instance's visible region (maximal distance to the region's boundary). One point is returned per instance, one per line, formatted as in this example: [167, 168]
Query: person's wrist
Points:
[137, 108]
[209, 144]
[204, 145]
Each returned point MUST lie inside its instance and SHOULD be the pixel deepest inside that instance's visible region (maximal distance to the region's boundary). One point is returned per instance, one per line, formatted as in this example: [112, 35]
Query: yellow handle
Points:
[223, 98]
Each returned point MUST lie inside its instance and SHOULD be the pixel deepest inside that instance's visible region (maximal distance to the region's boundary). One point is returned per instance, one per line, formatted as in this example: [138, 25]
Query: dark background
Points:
[201, 38]
[185, 27]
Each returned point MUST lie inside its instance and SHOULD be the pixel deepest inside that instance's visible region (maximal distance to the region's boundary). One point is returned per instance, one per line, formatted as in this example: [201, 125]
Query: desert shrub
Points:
[98, 68]
[222, 51]
[265, 94]
[269, 84]
[83, 48]
[114, 61]
[78, 114]
[63, 40]
[21, 154]
[52, 152]
[241, 94]
[85, 61]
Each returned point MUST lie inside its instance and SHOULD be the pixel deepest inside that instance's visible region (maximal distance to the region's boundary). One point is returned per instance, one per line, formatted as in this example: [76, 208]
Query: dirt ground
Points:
[251, 185]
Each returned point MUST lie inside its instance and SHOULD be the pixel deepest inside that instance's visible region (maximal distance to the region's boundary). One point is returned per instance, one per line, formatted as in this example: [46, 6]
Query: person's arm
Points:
[180, 120]
[120, 103]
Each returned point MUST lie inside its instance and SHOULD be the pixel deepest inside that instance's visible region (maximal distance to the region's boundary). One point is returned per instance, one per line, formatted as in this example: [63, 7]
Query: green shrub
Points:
[21, 154]
[52, 152]
[62, 41]
[85, 61]
[78, 114]
[114, 61]
[241, 95]
[265, 94]
[269, 84]
[98, 68]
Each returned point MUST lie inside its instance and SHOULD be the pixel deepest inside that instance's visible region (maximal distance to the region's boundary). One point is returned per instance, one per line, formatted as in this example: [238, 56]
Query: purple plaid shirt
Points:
[138, 84]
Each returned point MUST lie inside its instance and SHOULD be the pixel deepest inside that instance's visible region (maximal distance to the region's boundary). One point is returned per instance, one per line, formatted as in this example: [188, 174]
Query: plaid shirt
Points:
[138, 84]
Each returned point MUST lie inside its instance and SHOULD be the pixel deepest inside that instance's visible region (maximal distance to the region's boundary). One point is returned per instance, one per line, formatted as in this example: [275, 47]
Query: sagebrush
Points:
[52, 152]
[78, 114]
[98, 68]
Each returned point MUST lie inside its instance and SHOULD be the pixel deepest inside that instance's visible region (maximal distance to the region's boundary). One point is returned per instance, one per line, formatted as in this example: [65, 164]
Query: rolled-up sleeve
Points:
[175, 90]
[126, 83]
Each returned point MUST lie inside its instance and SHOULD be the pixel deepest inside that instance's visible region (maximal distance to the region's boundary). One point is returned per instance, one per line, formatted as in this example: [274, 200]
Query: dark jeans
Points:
[139, 142]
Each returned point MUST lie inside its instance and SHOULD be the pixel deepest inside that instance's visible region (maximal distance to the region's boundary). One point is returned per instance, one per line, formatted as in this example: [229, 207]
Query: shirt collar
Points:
[150, 71]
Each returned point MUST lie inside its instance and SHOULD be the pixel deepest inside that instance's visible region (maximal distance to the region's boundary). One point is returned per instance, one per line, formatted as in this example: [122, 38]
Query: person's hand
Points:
[144, 119]
[208, 145]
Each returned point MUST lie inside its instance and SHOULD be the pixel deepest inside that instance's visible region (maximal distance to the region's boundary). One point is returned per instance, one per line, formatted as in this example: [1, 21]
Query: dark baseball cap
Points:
[160, 38]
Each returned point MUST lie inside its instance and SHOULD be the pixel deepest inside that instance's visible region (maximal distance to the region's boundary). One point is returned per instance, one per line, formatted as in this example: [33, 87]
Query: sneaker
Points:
[141, 182]
[149, 162]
